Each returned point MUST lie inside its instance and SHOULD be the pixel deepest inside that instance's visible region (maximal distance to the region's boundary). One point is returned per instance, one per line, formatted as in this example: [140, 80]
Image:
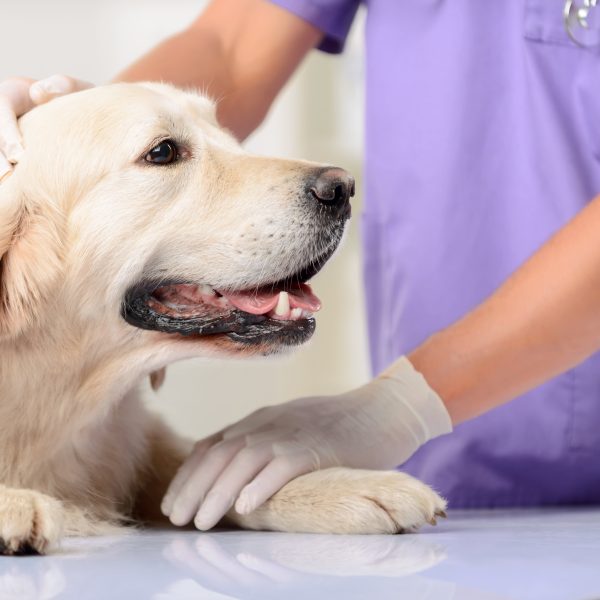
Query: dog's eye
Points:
[163, 154]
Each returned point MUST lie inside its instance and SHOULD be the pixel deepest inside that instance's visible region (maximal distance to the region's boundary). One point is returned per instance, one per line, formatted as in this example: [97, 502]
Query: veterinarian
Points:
[483, 141]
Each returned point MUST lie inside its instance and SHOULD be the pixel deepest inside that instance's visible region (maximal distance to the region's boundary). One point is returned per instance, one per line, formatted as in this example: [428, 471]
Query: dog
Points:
[136, 232]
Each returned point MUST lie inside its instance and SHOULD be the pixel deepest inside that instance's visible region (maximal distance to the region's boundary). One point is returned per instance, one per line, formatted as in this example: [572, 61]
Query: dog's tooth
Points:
[296, 314]
[283, 304]
[206, 290]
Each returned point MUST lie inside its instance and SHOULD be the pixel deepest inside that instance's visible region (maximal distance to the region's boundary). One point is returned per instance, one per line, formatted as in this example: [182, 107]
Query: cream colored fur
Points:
[81, 219]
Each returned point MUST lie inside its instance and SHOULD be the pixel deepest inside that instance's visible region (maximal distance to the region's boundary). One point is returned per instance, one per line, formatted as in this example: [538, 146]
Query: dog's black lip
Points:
[276, 332]
[238, 325]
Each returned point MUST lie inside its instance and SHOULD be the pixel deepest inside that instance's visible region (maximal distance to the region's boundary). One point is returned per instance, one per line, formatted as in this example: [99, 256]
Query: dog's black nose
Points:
[333, 188]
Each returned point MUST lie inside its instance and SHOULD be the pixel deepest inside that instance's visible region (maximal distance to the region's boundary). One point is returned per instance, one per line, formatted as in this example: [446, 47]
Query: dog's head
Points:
[133, 215]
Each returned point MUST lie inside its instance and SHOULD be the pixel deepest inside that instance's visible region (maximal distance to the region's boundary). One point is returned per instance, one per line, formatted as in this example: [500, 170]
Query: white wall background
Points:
[317, 117]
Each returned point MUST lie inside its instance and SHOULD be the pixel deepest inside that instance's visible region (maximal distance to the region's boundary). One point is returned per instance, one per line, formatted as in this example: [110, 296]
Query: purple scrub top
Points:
[483, 138]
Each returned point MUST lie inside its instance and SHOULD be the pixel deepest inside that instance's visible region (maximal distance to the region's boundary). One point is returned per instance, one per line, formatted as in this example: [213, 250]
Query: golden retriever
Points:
[133, 233]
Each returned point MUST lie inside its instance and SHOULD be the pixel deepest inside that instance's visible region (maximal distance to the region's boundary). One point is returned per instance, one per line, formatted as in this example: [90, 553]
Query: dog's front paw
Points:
[389, 502]
[348, 501]
[30, 522]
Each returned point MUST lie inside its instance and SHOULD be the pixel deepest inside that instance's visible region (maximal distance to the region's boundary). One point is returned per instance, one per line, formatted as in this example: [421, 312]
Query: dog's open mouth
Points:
[280, 313]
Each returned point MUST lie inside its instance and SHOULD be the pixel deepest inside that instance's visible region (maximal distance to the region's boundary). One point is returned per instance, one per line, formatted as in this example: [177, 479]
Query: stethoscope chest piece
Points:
[582, 22]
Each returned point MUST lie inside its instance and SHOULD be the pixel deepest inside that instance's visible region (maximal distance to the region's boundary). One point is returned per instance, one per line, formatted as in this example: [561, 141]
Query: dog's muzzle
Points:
[277, 314]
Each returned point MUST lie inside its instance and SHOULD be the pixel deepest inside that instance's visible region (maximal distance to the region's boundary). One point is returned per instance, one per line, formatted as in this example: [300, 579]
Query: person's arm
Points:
[544, 320]
[240, 52]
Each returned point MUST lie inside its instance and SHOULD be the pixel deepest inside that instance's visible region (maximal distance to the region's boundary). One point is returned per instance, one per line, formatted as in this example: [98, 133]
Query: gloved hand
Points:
[377, 426]
[18, 96]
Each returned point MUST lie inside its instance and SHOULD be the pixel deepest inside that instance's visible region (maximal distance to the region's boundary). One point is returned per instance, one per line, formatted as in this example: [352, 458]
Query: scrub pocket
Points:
[544, 22]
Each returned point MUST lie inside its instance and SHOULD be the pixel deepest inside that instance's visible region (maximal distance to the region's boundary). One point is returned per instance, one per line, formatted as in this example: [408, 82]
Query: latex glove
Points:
[377, 426]
[19, 95]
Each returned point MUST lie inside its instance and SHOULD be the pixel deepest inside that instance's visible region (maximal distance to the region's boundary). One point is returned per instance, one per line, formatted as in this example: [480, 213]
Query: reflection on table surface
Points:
[474, 555]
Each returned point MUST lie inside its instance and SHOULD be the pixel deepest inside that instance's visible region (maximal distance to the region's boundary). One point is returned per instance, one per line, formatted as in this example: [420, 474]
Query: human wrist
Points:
[467, 365]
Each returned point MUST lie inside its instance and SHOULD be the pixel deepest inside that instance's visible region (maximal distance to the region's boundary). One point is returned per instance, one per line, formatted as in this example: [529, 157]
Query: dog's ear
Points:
[30, 248]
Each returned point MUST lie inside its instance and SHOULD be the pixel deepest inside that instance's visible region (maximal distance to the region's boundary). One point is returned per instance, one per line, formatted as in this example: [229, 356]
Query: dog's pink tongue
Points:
[262, 301]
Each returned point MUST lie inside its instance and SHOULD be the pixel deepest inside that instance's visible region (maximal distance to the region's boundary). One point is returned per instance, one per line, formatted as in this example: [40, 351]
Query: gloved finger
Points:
[273, 477]
[5, 167]
[244, 466]
[14, 101]
[15, 91]
[260, 419]
[56, 85]
[10, 136]
[200, 480]
[185, 470]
